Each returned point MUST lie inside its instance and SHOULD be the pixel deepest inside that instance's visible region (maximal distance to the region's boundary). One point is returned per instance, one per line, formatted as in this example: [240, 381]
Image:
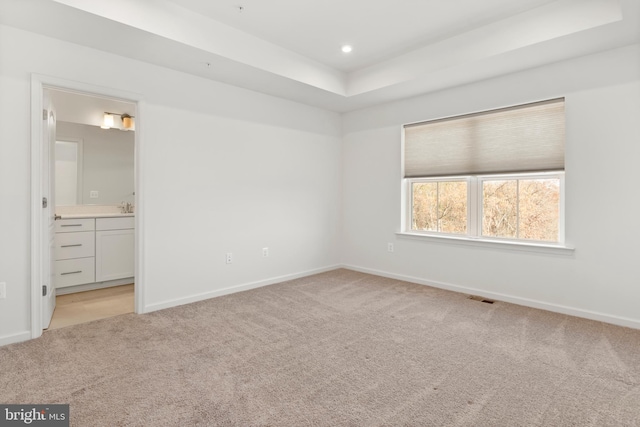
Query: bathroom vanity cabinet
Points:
[93, 250]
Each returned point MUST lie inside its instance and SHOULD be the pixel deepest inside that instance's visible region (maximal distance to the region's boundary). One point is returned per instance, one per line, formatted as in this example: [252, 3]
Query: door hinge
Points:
[45, 202]
[44, 290]
[45, 114]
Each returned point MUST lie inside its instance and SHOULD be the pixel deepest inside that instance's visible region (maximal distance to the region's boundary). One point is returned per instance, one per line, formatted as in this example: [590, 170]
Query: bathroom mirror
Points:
[94, 166]
[68, 179]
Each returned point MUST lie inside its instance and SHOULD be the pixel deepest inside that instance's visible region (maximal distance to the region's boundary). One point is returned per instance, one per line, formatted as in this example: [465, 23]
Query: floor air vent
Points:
[477, 298]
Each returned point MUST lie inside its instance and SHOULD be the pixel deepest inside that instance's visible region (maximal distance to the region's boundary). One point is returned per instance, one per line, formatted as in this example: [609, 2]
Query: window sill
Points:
[540, 248]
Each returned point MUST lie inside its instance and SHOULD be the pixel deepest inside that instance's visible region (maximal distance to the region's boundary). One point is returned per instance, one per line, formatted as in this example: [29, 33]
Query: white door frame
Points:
[40, 82]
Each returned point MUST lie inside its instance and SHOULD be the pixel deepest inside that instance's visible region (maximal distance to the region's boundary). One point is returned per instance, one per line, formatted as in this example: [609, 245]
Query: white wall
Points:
[108, 159]
[225, 170]
[601, 279]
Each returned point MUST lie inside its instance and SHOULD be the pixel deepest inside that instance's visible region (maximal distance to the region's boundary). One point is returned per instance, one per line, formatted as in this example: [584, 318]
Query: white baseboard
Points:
[10, 339]
[94, 286]
[556, 308]
[233, 289]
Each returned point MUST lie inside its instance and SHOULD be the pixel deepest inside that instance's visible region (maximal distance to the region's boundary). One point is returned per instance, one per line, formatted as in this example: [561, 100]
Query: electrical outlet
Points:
[265, 252]
[93, 194]
[390, 247]
[3, 290]
[229, 257]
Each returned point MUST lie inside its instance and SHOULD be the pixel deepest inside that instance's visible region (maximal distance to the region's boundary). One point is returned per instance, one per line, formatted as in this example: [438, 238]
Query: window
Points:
[439, 206]
[521, 208]
[495, 175]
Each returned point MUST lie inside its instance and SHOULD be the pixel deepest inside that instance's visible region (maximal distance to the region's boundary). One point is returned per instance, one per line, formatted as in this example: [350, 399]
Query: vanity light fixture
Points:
[127, 120]
[107, 121]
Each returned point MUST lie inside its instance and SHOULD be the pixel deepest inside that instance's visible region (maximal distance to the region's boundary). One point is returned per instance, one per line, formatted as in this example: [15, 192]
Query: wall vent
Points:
[481, 299]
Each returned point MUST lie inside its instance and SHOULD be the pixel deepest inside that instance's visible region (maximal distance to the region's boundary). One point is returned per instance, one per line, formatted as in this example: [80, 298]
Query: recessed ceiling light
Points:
[347, 48]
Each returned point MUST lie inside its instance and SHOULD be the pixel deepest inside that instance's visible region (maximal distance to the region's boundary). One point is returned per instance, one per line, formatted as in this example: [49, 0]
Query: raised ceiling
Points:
[379, 30]
[291, 48]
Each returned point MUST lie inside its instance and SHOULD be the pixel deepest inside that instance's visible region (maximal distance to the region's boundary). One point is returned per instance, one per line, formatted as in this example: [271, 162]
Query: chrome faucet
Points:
[126, 207]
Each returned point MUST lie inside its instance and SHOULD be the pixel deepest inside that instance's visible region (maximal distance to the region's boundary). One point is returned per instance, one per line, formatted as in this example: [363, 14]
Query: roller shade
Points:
[524, 138]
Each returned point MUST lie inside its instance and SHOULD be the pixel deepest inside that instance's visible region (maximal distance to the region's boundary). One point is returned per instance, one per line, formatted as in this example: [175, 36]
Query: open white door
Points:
[48, 207]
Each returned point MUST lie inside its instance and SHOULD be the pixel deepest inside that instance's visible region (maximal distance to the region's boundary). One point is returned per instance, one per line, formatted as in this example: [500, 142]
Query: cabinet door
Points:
[114, 254]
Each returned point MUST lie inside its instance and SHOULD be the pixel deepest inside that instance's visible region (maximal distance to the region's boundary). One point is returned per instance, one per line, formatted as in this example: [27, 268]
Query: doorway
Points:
[112, 229]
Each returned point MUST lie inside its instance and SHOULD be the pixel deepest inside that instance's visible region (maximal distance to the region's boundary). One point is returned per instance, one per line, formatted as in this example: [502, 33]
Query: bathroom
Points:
[94, 235]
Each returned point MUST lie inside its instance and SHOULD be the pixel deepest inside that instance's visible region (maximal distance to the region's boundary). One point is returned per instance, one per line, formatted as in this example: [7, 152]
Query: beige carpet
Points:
[335, 349]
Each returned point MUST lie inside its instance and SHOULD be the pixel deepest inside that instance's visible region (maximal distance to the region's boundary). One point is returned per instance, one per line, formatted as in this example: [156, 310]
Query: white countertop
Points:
[94, 215]
[90, 211]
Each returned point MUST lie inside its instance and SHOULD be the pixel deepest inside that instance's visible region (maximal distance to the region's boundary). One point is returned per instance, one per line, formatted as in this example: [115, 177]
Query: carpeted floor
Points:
[335, 349]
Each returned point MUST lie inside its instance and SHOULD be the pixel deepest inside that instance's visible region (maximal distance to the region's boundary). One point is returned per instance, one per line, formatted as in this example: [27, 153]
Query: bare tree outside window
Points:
[440, 206]
[521, 209]
[539, 209]
[500, 208]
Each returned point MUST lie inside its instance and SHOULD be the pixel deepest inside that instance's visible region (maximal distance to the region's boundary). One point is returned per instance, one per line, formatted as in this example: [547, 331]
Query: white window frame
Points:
[559, 175]
[474, 214]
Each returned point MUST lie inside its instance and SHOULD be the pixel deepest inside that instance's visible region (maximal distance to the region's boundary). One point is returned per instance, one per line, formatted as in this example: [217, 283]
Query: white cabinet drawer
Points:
[72, 225]
[71, 272]
[115, 223]
[75, 245]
